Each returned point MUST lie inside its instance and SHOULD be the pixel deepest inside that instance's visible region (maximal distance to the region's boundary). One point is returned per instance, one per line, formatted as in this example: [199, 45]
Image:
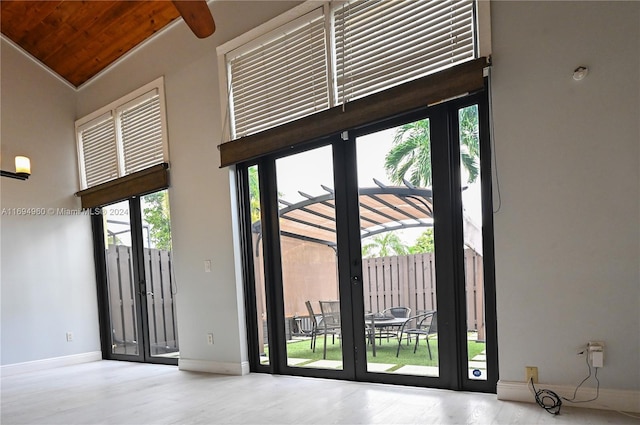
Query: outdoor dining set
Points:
[394, 322]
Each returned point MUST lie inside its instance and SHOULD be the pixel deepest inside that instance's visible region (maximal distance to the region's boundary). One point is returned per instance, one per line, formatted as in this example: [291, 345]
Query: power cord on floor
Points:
[547, 399]
[551, 402]
[595, 375]
[573, 399]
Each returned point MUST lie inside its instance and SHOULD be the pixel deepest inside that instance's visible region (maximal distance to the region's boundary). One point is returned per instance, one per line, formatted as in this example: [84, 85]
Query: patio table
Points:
[375, 320]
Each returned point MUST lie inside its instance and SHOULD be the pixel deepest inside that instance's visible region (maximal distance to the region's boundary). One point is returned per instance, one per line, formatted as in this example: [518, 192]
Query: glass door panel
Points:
[398, 252]
[140, 285]
[159, 278]
[311, 294]
[471, 190]
[121, 283]
[257, 251]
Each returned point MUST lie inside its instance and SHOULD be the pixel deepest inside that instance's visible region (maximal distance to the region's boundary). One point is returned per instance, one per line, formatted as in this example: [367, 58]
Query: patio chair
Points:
[319, 327]
[330, 322]
[314, 325]
[398, 313]
[424, 324]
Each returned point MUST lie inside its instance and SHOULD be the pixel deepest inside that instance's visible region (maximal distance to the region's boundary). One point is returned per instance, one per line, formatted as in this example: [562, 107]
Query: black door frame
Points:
[141, 306]
[449, 263]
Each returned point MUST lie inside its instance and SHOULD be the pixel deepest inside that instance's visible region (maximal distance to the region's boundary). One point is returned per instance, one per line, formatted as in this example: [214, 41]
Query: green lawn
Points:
[385, 351]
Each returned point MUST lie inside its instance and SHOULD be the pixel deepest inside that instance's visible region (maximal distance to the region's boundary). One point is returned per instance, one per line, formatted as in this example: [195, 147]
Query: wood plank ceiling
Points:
[78, 39]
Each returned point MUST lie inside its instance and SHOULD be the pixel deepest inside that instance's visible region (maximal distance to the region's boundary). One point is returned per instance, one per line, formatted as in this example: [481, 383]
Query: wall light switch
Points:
[207, 266]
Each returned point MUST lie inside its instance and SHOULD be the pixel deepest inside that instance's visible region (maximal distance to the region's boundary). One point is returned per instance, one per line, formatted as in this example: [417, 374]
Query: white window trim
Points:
[111, 110]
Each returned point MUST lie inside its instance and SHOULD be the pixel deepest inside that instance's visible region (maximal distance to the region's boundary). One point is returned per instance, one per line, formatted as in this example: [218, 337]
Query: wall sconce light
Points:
[23, 169]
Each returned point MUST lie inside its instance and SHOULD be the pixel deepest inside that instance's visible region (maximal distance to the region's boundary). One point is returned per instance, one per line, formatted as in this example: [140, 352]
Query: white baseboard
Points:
[213, 367]
[622, 400]
[36, 365]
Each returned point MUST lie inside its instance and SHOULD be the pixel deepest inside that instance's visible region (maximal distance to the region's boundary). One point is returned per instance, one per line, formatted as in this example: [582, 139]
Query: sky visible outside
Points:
[309, 170]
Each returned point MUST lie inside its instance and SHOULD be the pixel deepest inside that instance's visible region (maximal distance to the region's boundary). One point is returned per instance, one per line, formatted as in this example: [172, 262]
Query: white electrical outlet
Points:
[595, 351]
[69, 336]
[210, 339]
[207, 266]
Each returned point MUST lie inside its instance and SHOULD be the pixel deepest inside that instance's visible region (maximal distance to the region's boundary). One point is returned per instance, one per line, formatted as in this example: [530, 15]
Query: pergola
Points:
[382, 209]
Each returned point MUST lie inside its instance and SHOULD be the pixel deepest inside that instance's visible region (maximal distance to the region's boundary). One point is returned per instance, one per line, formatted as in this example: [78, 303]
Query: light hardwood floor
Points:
[111, 392]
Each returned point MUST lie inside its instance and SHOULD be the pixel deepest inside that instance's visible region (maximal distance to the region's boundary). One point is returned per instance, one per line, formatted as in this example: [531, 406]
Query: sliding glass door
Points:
[374, 253]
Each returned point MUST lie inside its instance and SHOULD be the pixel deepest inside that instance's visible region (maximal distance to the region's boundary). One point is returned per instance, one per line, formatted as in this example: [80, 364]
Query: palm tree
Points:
[469, 141]
[384, 245]
[410, 156]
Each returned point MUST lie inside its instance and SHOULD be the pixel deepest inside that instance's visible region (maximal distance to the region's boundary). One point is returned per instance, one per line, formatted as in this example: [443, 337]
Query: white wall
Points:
[47, 274]
[200, 193]
[567, 234]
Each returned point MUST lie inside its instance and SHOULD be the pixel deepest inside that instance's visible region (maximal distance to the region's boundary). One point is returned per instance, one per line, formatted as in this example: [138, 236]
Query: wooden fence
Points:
[410, 281]
[163, 330]
[309, 273]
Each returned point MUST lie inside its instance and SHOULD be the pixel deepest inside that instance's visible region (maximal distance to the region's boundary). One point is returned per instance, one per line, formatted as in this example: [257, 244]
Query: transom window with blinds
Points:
[341, 51]
[127, 136]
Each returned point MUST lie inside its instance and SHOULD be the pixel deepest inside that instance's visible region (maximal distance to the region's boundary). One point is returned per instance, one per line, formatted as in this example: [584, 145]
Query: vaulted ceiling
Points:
[78, 39]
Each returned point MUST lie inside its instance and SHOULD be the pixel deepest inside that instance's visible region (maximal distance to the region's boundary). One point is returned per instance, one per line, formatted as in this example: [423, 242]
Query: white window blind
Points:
[141, 129]
[99, 157]
[281, 78]
[341, 52]
[124, 137]
[380, 44]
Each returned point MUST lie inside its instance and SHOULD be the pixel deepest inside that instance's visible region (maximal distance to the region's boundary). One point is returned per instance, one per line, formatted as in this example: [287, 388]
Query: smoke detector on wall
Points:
[580, 73]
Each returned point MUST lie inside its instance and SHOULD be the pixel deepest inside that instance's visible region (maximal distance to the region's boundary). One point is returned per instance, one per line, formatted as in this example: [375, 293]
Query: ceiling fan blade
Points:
[197, 15]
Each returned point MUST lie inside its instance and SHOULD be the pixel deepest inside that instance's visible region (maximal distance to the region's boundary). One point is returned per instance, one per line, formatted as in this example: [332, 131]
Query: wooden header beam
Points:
[142, 182]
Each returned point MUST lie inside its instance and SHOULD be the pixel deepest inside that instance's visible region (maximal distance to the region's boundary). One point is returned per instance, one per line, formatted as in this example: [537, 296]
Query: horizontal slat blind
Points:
[380, 44]
[124, 137]
[141, 128]
[280, 80]
[98, 144]
[461, 79]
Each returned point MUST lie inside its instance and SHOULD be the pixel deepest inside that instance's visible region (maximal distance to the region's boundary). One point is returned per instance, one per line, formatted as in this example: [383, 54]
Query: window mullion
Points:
[330, 53]
[119, 143]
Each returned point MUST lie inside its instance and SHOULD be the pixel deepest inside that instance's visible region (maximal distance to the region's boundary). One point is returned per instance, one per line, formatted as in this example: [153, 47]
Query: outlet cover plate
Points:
[531, 372]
